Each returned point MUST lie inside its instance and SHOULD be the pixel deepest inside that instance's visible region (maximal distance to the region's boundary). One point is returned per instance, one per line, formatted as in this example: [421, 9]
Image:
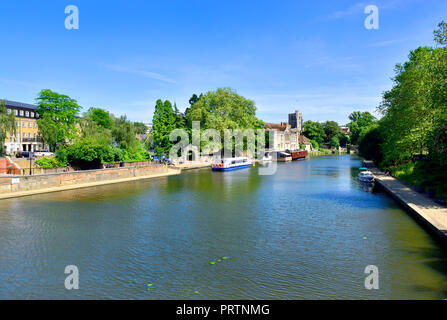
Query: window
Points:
[34, 136]
[29, 124]
[29, 135]
[32, 114]
[9, 111]
[24, 135]
[35, 124]
[16, 112]
[27, 113]
[24, 124]
[21, 113]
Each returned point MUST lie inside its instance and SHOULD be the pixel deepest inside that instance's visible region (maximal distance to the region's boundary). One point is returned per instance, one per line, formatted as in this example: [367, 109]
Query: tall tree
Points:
[7, 125]
[314, 131]
[224, 109]
[99, 116]
[331, 130]
[360, 121]
[57, 117]
[164, 122]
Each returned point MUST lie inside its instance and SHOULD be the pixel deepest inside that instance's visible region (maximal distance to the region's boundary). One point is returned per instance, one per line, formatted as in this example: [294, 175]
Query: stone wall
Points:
[20, 183]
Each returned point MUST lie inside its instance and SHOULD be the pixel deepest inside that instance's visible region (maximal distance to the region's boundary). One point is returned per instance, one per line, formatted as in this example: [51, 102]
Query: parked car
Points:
[43, 153]
[23, 154]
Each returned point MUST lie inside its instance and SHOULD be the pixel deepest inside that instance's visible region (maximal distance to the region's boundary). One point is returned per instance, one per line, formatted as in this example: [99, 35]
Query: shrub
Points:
[49, 163]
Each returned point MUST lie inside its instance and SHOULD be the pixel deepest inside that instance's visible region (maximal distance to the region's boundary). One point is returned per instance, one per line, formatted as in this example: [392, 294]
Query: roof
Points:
[303, 139]
[15, 104]
[274, 126]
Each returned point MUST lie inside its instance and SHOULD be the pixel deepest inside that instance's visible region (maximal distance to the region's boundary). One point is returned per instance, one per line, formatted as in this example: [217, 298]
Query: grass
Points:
[426, 176]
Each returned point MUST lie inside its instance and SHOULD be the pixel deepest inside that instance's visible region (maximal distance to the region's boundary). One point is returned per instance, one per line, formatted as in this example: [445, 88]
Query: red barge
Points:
[299, 155]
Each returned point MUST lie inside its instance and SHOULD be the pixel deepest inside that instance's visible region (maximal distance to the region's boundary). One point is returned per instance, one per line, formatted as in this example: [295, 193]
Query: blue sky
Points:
[315, 56]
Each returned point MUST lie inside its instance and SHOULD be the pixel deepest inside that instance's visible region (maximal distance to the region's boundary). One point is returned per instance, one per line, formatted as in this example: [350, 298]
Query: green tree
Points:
[224, 109]
[56, 110]
[334, 142]
[359, 122]
[441, 33]
[99, 116]
[314, 131]
[139, 127]
[331, 130]
[370, 143]
[7, 125]
[124, 135]
[164, 122]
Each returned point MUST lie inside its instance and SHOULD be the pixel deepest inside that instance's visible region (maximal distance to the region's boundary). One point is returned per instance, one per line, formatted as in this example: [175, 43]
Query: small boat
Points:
[365, 175]
[267, 158]
[227, 164]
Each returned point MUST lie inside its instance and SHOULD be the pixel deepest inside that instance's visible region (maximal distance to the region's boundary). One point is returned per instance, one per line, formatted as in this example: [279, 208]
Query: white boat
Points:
[365, 176]
[227, 164]
[267, 158]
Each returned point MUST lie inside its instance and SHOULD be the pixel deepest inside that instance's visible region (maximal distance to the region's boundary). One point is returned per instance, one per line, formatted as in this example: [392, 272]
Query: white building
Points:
[283, 137]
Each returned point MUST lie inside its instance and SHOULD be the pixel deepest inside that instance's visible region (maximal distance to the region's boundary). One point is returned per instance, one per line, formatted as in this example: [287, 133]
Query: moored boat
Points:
[227, 164]
[299, 155]
[365, 175]
[283, 157]
[267, 157]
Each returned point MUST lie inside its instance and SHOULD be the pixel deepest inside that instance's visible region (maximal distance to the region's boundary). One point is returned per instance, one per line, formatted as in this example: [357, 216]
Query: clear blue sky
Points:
[315, 56]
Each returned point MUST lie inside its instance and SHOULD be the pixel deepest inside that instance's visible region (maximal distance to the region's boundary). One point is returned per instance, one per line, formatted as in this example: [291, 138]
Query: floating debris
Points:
[225, 258]
[213, 262]
[365, 238]
[196, 291]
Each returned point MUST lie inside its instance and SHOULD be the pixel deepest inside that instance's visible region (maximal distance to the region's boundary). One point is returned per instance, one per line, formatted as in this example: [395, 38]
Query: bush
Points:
[49, 163]
[314, 144]
[88, 153]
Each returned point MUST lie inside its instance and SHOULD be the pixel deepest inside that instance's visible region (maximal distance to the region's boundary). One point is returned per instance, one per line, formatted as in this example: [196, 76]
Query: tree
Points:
[139, 127]
[164, 121]
[99, 116]
[7, 125]
[314, 131]
[331, 130]
[224, 109]
[441, 33]
[334, 142]
[359, 122]
[124, 135]
[370, 144]
[56, 110]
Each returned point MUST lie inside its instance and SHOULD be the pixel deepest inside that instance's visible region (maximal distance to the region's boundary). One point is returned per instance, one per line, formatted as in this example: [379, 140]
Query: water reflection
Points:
[306, 232]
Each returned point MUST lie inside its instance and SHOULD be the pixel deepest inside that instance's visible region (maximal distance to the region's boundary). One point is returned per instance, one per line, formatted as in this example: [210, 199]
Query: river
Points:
[306, 232]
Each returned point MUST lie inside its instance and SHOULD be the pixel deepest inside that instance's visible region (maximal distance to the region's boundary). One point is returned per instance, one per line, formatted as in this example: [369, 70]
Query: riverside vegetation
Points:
[410, 140]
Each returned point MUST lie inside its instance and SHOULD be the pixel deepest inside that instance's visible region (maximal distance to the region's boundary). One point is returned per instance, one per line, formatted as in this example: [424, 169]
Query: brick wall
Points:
[25, 183]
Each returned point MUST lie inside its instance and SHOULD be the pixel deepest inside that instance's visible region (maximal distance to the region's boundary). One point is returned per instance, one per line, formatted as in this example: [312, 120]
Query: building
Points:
[149, 127]
[296, 121]
[283, 137]
[345, 130]
[27, 137]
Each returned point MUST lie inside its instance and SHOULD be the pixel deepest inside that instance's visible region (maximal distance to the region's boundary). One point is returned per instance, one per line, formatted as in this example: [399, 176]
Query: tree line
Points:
[410, 140]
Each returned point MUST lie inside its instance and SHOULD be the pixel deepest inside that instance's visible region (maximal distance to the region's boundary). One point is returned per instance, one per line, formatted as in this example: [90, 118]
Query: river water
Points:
[306, 232]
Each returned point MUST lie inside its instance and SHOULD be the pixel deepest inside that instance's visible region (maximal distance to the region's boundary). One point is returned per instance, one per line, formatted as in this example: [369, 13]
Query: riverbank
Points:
[21, 186]
[432, 215]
